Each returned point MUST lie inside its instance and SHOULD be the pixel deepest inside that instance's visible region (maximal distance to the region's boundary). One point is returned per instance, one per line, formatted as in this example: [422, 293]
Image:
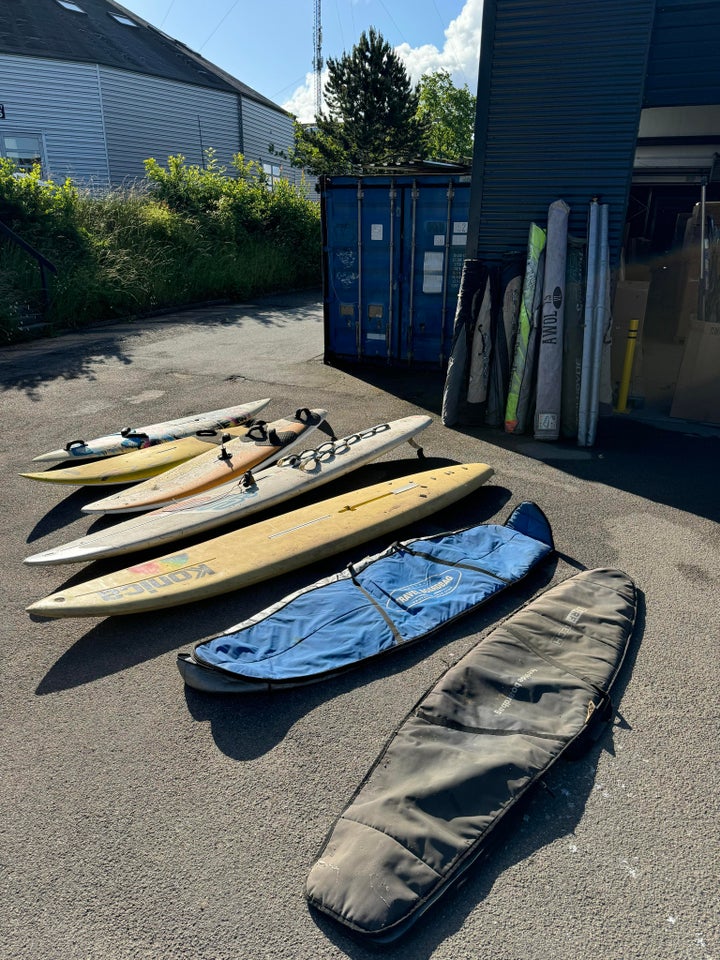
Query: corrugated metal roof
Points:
[685, 47]
[44, 28]
[559, 97]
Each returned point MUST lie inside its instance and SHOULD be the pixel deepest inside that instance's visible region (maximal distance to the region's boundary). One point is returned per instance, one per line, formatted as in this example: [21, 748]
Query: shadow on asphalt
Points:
[57, 357]
[548, 815]
[120, 642]
[551, 811]
[672, 467]
[69, 509]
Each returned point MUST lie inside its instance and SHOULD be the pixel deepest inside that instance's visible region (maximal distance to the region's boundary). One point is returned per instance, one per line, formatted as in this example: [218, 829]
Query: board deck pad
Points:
[138, 438]
[375, 607]
[263, 444]
[291, 476]
[533, 691]
[268, 548]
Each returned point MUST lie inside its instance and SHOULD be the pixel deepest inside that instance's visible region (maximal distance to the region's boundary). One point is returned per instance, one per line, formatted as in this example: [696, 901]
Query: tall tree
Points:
[447, 113]
[371, 117]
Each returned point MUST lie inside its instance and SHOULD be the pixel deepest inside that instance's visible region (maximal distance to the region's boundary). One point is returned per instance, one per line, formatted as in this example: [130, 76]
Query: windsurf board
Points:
[268, 548]
[263, 444]
[140, 464]
[290, 477]
[137, 438]
[511, 277]
[550, 353]
[524, 341]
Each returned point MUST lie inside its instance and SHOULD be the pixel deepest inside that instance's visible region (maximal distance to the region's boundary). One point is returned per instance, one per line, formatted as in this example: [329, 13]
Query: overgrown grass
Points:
[189, 234]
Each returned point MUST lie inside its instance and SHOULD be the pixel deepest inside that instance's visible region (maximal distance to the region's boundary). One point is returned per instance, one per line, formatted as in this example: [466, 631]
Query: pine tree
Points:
[371, 118]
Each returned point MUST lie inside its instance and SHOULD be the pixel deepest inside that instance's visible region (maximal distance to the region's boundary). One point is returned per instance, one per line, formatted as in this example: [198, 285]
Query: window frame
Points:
[27, 164]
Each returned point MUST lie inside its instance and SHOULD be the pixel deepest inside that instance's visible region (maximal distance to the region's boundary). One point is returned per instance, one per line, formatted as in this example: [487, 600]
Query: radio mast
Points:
[317, 56]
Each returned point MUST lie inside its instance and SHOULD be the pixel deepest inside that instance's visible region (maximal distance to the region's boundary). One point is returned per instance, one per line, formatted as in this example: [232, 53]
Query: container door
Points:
[379, 213]
[435, 218]
[362, 250]
[341, 269]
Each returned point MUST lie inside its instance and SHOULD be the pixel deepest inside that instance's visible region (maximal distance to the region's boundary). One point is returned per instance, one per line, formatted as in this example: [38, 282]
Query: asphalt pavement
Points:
[145, 820]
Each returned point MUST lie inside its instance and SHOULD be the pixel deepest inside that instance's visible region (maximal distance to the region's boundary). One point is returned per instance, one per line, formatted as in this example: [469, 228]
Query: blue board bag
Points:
[371, 608]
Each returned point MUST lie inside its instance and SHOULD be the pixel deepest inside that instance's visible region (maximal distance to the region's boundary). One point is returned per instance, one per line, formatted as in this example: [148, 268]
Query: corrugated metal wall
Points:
[99, 123]
[149, 117]
[683, 63]
[61, 103]
[559, 99]
[262, 129]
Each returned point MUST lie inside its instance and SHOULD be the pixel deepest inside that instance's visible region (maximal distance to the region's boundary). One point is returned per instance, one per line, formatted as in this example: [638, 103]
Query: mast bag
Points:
[534, 690]
[379, 605]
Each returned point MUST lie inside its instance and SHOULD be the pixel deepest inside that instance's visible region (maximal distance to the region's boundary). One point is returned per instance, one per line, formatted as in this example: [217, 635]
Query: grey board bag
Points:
[533, 691]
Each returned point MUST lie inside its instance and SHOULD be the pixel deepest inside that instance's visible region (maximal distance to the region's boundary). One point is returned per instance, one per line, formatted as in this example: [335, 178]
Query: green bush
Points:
[189, 234]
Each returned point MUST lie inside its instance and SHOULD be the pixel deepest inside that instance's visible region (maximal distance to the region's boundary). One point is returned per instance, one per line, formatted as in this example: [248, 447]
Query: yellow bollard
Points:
[622, 406]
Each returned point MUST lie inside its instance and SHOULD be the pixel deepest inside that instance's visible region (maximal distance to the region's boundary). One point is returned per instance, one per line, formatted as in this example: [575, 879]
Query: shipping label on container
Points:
[376, 231]
[459, 234]
[433, 272]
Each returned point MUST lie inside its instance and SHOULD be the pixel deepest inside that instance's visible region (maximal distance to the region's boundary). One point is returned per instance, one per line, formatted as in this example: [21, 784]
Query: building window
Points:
[24, 151]
[273, 172]
[126, 21]
[69, 5]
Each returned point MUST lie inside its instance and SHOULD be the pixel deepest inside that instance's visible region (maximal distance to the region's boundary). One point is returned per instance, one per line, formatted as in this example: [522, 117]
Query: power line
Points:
[167, 12]
[220, 23]
[402, 37]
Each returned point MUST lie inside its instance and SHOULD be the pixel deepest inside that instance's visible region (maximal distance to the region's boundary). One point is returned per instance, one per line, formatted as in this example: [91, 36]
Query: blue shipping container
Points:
[393, 249]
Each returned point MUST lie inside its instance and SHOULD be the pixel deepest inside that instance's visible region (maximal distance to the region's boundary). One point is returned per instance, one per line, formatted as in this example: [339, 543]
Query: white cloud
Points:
[460, 52]
[459, 56]
[302, 102]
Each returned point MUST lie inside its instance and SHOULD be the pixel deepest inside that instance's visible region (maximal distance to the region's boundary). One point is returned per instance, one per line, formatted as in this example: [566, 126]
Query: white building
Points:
[90, 90]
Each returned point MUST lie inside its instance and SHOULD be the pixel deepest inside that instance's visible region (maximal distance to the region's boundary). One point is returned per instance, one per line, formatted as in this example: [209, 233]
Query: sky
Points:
[270, 45]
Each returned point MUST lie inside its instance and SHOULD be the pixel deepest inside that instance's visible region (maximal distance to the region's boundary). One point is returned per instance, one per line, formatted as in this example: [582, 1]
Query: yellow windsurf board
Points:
[140, 464]
[269, 548]
[262, 444]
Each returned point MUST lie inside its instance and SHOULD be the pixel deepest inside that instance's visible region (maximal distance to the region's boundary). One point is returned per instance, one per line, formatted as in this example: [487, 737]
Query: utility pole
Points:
[317, 56]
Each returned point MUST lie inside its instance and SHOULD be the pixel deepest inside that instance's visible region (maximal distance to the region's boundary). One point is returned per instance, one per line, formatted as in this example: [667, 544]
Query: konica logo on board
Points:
[422, 591]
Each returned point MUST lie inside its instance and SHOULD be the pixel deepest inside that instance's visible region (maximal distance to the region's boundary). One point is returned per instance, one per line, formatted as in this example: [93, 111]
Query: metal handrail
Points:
[42, 262]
